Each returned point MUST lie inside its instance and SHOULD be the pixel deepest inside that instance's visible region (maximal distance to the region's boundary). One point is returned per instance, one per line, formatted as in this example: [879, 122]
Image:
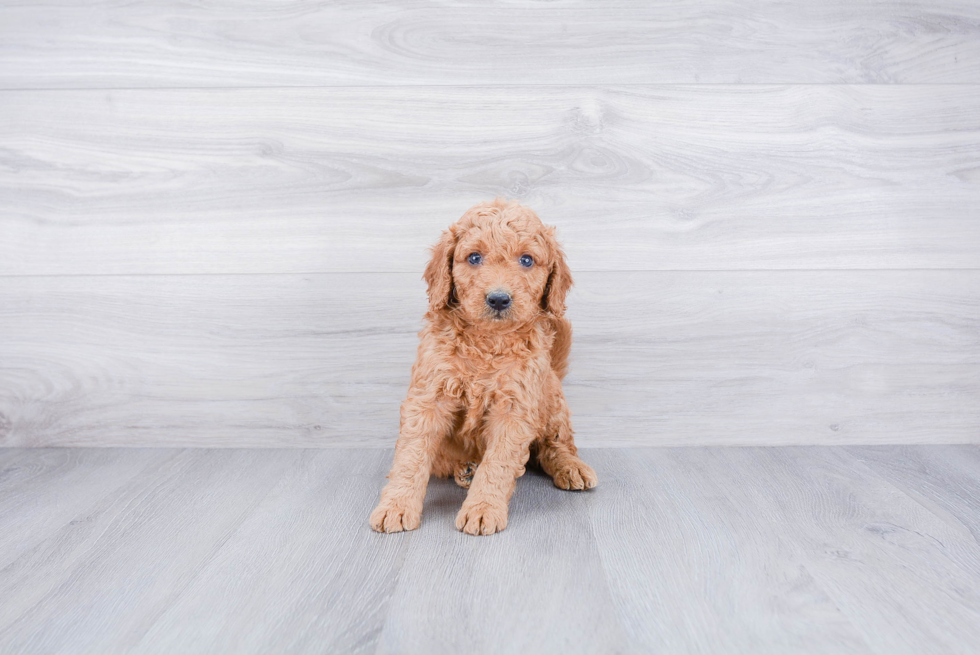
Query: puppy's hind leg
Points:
[463, 473]
[565, 467]
[453, 463]
[558, 455]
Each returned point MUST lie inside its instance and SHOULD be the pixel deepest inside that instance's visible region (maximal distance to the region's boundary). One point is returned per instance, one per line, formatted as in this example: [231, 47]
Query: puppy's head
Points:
[498, 265]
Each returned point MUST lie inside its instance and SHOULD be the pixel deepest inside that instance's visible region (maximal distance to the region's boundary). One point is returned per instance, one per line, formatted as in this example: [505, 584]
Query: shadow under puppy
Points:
[486, 388]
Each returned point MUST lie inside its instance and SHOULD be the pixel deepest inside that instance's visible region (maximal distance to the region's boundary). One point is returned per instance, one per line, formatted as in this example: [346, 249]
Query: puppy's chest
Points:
[483, 372]
[476, 388]
[473, 391]
[474, 396]
[477, 371]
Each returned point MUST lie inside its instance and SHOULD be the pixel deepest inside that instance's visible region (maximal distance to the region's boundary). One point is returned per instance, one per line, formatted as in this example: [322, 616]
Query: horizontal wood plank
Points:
[235, 43]
[339, 180]
[790, 357]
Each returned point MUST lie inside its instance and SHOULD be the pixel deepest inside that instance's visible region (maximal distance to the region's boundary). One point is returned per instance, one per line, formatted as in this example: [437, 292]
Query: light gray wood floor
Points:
[683, 550]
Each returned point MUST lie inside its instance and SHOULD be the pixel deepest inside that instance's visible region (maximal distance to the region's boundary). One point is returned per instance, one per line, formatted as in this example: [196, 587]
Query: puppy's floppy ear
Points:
[439, 272]
[559, 280]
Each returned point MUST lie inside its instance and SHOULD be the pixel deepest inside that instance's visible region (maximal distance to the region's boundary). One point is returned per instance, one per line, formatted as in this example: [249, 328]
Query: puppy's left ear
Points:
[559, 280]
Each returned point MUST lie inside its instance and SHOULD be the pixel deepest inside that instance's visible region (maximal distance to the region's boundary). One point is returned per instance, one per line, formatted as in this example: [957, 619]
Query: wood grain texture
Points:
[679, 550]
[694, 570]
[906, 579]
[124, 560]
[40, 479]
[778, 357]
[364, 179]
[945, 479]
[302, 574]
[789, 549]
[539, 589]
[169, 44]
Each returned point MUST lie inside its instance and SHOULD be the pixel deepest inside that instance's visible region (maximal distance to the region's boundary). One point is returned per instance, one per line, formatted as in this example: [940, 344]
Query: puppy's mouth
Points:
[497, 314]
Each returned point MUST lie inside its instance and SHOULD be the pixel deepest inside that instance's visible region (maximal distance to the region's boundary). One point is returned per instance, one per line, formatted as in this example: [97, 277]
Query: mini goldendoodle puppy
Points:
[486, 387]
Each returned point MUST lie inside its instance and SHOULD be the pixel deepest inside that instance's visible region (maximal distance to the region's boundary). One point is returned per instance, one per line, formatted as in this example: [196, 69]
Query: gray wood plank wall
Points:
[213, 219]
[98, 44]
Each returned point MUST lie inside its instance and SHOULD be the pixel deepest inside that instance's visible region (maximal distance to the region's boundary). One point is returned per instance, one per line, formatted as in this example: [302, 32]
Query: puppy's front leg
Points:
[485, 509]
[425, 424]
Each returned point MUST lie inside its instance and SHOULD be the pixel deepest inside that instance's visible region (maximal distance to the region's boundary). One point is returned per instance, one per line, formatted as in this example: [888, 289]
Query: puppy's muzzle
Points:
[498, 301]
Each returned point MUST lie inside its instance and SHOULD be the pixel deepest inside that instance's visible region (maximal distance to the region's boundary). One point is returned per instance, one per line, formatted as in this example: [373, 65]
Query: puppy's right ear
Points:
[439, 272]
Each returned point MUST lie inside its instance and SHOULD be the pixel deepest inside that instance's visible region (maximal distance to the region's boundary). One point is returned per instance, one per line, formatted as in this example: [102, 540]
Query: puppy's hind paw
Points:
[393, 517]
[575, 475]
[464, 473]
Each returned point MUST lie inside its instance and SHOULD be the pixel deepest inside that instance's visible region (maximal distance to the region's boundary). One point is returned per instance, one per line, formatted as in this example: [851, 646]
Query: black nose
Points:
[498, 300]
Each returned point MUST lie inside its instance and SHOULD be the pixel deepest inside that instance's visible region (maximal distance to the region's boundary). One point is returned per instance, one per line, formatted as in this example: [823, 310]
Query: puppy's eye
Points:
[526, 261]
[475, 259]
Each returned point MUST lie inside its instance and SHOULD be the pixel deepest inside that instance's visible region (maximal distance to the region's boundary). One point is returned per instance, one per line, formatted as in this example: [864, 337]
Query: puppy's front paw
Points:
[395, 516]
[481, 518]
[575, 475]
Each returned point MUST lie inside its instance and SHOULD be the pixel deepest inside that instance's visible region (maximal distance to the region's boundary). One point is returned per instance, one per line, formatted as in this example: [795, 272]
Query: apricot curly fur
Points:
[485, 392]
